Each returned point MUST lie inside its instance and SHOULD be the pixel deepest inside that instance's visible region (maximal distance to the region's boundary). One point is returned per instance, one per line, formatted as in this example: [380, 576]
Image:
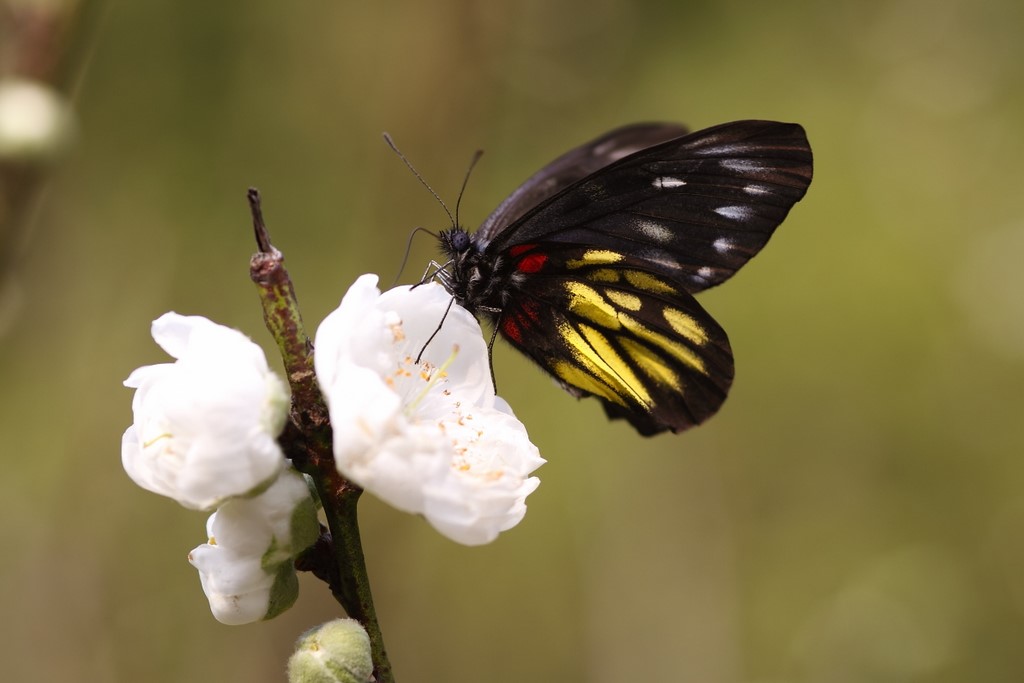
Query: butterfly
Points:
[590, 267]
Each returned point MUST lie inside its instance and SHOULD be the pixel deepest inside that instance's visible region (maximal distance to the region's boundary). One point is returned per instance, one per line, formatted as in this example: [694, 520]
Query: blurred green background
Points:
[854, 513]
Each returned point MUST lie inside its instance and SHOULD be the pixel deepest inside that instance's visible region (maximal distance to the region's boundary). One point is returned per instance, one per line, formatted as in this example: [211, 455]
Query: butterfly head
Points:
[469, 273]
[455, 242]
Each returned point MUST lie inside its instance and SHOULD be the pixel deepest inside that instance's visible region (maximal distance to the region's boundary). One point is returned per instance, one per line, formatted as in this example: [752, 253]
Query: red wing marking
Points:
[520, 249]
[531, 263]
[510, 327]
[531, 307]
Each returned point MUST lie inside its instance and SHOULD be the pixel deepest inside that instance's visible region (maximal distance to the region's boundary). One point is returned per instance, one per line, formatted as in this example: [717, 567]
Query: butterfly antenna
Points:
[472, 163]
[408, 248]
[394, 148]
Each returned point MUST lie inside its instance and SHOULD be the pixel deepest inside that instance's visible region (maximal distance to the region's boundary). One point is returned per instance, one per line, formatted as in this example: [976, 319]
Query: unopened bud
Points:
[335, 652]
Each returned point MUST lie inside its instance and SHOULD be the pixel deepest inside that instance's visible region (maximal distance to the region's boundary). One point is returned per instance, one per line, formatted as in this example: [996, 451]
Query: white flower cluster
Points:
[416, 423]
[205, 434]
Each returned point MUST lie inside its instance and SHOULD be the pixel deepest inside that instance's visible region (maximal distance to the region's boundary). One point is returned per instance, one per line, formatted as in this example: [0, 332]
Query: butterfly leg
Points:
[490, 353]
[435, 270]
[434, 334]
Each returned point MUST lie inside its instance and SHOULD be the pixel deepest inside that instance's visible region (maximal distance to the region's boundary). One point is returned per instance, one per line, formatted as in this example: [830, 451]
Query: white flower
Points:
[205, 425]
[246, 566]
[429, 438]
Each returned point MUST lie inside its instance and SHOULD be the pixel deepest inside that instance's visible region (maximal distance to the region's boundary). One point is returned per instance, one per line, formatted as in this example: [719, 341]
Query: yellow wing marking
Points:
[597, 366]
[603, 367]
[685, 325]
[678, 350]
[608, 359]
[604, 275]
[572, 374]
[651, 363]
[595, 257]
[588, 303]
[631, 302]
[647, 282]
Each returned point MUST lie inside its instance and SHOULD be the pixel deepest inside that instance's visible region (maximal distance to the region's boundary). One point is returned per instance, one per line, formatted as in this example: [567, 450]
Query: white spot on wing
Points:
[756, 189]
[665, 181]
[722, 245]
[660, 257]
[743, 165]
[723, 148]
[736, 213]
[654, 231]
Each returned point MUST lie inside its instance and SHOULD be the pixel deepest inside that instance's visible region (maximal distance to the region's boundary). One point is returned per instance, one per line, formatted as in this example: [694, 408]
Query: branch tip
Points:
[258, 226]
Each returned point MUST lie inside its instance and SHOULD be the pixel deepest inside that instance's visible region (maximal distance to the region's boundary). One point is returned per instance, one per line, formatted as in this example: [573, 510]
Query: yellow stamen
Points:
[431, 376]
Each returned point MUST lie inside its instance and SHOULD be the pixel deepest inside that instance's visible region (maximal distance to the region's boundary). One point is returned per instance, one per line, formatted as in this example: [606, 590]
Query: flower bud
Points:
[335, 652]
[246, 567]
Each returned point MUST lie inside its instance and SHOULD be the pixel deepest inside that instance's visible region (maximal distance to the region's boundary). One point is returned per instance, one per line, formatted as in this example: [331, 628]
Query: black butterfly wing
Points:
[597, 279]
[575, 165]
[695, 208]
[640, 344]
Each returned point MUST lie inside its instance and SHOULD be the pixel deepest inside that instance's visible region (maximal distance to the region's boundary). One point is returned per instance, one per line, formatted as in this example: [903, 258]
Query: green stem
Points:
[353, 588]
[308, 442]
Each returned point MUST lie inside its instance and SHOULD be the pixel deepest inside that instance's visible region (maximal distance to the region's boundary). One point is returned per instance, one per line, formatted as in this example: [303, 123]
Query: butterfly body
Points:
[590, 267]
[474, 278]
